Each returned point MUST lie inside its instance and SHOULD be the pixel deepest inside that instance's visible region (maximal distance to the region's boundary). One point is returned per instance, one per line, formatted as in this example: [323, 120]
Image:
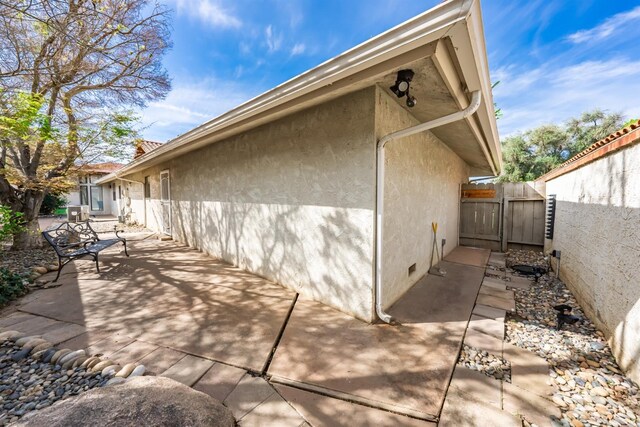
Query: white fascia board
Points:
[423, 29]
[468, 43]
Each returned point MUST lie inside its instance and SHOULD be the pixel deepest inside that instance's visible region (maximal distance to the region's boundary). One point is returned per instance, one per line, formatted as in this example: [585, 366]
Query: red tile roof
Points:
[614, 142]
[101, 168]
[143, 147]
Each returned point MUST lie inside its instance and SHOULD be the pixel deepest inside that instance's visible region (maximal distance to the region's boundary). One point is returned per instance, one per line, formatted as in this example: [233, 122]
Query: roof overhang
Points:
[451, 34]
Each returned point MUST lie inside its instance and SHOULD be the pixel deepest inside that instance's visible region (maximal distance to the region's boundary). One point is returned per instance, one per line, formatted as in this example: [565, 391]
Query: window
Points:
[119, 191]
[96, 198]
[84, 195]
[147, 188]
[114, 193]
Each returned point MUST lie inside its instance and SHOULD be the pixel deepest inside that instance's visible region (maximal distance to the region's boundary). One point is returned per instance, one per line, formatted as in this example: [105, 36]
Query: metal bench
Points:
[77, 240]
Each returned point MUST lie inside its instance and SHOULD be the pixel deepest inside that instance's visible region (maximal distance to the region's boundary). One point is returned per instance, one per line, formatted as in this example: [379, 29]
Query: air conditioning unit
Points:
[77, 213]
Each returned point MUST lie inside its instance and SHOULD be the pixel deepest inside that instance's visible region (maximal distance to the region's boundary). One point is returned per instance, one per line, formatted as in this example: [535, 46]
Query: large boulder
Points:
[141, 401]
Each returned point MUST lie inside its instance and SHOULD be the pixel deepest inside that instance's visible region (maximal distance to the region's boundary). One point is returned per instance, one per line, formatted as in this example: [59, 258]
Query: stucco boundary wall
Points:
[597, 228]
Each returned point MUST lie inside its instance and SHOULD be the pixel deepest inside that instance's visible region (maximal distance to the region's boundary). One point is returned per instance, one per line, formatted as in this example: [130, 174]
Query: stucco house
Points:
[596, 228]
[99, 199]
[310, 186]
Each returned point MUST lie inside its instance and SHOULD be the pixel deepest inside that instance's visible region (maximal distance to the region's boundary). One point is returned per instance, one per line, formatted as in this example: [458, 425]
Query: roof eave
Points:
[425, 28]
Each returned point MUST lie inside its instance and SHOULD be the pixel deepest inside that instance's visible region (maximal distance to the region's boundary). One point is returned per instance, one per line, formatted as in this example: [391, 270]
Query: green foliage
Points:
[497, 111]
[629, 122]
[11, 286]
[535, 152]
[11, 223]
[51, 203]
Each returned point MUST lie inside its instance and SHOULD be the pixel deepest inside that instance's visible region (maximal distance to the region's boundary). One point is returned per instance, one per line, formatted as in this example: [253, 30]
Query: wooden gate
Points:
[502, 216]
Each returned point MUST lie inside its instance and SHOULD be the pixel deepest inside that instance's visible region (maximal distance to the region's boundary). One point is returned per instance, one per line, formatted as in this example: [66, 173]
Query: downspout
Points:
[454, 117]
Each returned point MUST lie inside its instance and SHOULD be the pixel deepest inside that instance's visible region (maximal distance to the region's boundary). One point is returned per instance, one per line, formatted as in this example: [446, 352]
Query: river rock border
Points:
[34, 374]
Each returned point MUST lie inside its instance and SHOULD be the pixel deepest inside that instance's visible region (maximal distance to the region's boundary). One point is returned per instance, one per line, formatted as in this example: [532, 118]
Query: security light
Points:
[401, 88]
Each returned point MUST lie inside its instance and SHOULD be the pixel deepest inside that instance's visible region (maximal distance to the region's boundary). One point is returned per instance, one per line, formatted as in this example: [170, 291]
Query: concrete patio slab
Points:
[188, 370]
[480, 340]
[133, 352]
[161, 359]
[321, 410]
[492, 327]
[247, 395]
[535, 409]
[274, 411]
[497, 302]
[13, 318]
[489, 312]
[62, 331]
[500, 293]
[219, 381]
[476, 387]
[171, 296]
[405, 368]
[476, 257]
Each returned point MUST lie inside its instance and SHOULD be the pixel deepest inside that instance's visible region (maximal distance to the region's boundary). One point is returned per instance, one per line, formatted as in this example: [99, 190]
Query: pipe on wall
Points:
[473, 106]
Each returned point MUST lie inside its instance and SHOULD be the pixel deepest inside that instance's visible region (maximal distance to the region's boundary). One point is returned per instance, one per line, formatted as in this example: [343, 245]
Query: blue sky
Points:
[554, 59]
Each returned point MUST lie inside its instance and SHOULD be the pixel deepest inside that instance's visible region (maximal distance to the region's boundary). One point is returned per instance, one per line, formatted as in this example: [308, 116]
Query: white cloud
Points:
[605, 30]
[211, 12]
[273, 39]
[298, 49]
[191, 104]
[554, 94]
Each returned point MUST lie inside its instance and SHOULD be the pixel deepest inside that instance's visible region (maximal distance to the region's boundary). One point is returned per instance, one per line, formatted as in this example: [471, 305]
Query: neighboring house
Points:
[143, 147]
[597, 231]
[286, 185]
[100, 199]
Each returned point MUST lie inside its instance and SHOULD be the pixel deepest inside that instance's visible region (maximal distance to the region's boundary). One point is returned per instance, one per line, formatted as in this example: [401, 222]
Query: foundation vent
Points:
[412, 269]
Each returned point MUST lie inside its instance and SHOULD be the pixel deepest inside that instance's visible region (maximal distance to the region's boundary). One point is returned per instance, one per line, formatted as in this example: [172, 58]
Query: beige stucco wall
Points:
[292, 201]
[597, 228]
[421, 186]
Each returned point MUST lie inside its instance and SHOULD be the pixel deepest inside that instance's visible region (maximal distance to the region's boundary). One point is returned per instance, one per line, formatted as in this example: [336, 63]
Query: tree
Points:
[69, 72]
[535, 152]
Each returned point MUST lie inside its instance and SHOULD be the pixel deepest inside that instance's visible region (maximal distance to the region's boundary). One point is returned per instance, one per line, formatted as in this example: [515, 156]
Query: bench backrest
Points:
[70, 235]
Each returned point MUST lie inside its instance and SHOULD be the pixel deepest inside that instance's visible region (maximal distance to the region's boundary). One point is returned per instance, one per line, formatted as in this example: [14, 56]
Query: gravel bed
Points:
[590, 388]
[487, 363]
[27, 384]
[23, 262]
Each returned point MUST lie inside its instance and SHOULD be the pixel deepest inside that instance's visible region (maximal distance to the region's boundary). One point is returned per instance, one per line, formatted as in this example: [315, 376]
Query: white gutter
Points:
[430, 26]
[476, 97]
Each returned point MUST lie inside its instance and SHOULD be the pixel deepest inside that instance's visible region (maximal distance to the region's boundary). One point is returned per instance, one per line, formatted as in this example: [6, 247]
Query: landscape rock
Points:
[155, 401]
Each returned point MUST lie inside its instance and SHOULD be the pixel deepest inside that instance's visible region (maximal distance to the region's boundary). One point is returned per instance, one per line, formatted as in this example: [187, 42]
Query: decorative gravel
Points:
[590, 388]
[487, 363]
[27, 384]
[23, 262]
[111, 226]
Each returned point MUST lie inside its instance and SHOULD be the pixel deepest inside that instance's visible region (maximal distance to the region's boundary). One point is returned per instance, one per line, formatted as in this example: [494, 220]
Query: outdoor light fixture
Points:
[401, 88]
